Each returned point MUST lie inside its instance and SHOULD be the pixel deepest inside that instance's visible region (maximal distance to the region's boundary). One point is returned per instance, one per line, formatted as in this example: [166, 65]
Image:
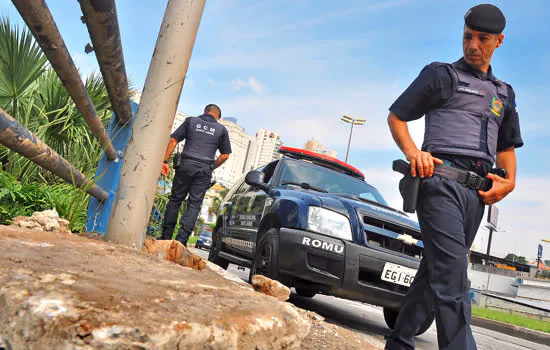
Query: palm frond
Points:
[21, 63]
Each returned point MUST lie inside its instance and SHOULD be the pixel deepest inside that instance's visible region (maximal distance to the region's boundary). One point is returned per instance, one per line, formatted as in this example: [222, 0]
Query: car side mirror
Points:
[255, 178]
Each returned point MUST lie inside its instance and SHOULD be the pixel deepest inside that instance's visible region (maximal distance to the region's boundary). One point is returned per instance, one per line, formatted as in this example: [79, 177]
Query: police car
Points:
[313, 223]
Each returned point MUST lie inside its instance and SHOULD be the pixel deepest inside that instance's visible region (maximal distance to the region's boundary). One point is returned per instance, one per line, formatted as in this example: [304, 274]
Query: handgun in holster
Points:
[177, 160]
[408, 185]
[498, 172]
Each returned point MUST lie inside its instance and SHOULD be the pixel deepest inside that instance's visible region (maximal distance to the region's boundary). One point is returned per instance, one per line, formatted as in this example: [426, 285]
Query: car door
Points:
[240, 220]
[233, 218]
[226, 207]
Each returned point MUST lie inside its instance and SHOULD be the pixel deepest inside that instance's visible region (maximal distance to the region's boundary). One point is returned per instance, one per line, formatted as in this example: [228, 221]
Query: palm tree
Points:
[32, 93]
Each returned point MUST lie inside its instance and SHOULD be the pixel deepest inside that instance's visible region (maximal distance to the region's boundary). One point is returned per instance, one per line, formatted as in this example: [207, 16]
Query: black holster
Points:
[408, 185]
[177, 160]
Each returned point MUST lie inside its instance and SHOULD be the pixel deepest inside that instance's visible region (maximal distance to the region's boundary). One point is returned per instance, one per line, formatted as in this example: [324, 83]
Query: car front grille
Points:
[383, 234]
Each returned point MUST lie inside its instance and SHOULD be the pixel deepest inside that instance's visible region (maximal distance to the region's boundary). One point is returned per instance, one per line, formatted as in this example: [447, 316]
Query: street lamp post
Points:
[353, 122]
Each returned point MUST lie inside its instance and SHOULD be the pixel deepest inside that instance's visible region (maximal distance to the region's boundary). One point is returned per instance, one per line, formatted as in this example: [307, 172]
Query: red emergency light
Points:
[321, 158]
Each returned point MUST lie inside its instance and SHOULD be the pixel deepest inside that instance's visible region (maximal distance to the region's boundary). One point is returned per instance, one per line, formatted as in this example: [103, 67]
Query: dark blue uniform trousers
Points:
[191, 178]
[449, 215]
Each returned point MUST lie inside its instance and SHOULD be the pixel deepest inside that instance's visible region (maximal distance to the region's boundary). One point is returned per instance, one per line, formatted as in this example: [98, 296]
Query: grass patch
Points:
[192, 240]
[507, 317]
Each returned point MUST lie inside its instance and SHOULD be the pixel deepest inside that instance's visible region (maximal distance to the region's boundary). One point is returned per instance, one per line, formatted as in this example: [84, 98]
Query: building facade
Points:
[235, 166]
[266, 146]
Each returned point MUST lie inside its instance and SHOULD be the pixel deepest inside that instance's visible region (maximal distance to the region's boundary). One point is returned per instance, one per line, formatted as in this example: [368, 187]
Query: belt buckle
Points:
[473, 180]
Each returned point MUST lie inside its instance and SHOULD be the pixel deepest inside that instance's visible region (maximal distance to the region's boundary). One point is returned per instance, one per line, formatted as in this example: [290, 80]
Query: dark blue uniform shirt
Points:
[433, 86]
[203, 135]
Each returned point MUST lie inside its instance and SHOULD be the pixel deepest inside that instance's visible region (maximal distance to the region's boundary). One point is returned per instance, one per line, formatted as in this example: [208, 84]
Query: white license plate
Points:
[398, 274]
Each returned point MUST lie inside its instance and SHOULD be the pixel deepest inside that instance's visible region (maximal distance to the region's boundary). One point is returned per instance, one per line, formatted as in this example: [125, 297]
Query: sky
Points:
[295, 67]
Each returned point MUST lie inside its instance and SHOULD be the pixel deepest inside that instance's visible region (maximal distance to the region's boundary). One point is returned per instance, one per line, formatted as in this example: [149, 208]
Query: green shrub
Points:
[18, 199]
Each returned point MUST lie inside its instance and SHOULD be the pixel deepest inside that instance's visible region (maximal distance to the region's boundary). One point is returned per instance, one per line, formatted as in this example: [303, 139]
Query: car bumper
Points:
[203, 244]
[341, 268]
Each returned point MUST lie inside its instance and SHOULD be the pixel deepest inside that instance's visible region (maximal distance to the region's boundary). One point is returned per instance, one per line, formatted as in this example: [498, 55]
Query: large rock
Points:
[47, 220]
[69, 292]
[173, 251]
[270, 287]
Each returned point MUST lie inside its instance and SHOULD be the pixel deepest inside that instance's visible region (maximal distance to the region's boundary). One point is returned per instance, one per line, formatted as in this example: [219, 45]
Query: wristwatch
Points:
[165, 162]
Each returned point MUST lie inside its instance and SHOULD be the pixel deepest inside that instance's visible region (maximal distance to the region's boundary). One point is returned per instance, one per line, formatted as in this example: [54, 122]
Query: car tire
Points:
[305, 292]
[390, 316]
[215, 250]
[266, 257]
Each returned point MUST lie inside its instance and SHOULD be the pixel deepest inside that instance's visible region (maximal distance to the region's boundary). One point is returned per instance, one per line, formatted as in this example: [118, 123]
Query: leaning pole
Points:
[145, 151]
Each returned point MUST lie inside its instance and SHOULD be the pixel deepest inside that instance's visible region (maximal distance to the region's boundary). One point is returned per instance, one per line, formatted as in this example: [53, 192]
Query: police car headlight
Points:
[329, 223]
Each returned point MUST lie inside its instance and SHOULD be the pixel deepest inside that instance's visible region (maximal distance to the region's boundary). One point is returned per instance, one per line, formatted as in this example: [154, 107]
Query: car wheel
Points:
[266, 258]
[390, 316]
[215, 250]
[305, 292]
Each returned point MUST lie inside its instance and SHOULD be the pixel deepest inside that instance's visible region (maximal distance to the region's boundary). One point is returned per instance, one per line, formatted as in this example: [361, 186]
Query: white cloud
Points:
[238, 84]
[251, 83]
[317, 114]
[255, 85]
[211, 82]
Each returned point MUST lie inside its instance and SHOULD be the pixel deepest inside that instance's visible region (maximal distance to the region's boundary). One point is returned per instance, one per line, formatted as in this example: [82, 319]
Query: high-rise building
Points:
[317, 147]
[234, 167]
[266, 145]
[179, 118]
[251, 155]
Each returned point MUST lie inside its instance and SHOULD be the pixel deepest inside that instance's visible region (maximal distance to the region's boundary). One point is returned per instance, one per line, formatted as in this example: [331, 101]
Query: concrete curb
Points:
[513, 330]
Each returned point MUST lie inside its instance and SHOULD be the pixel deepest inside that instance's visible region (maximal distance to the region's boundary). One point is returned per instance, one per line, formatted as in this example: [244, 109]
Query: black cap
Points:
[485, 18]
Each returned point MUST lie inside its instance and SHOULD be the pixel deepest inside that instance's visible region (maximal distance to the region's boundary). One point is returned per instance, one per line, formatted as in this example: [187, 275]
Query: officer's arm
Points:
[507, 159]
[220, 160]
[421, 161]
[170, 148]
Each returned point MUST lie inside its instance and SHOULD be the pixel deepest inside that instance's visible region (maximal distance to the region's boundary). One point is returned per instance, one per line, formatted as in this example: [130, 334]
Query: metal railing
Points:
[101, 19]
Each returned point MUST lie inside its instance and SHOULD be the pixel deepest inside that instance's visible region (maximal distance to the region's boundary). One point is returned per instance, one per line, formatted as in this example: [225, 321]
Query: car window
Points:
[269, 170]
[231, 193]
[243, 189]
[328, 180]
[206, 233]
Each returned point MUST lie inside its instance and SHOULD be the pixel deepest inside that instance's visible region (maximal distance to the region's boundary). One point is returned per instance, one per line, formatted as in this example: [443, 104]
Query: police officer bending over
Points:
[471, 122]
[203, 135]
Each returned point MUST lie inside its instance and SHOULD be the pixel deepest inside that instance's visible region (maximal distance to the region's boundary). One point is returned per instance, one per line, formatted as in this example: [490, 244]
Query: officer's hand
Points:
[501, 188]
[165, 169]
[423, 162]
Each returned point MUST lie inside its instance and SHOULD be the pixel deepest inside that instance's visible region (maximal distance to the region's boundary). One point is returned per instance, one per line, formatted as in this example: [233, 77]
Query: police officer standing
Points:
[203, 136]
[471, 123]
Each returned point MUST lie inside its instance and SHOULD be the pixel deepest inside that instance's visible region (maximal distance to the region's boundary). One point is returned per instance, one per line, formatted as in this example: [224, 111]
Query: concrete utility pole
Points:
[143, 159]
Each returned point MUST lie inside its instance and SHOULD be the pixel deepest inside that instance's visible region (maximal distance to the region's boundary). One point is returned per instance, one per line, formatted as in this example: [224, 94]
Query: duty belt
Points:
[204, 161]
[469, 179]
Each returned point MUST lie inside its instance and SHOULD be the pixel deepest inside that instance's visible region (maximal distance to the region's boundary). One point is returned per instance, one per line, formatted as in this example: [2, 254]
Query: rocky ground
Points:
[61, 290]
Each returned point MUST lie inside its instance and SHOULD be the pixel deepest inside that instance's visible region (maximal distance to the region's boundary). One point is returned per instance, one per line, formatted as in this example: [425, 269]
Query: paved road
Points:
[369, 319]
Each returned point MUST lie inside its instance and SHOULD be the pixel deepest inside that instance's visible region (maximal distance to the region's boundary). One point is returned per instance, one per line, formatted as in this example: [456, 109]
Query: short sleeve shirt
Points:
[203, 136]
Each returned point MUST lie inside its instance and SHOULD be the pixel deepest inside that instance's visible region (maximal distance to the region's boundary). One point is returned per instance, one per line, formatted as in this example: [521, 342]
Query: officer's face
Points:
[478, 47]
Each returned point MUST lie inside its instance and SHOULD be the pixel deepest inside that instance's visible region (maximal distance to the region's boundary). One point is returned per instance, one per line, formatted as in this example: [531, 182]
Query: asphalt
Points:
[369, 319]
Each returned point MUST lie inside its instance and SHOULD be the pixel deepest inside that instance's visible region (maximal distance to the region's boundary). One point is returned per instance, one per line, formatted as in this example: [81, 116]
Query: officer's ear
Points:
[500, 39]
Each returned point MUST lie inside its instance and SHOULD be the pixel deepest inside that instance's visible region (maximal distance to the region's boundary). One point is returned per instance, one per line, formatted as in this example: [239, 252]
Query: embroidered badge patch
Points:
[496, 106]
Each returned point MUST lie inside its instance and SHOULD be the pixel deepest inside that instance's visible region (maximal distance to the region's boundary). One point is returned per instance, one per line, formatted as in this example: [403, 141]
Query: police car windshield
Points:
[329, 180]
